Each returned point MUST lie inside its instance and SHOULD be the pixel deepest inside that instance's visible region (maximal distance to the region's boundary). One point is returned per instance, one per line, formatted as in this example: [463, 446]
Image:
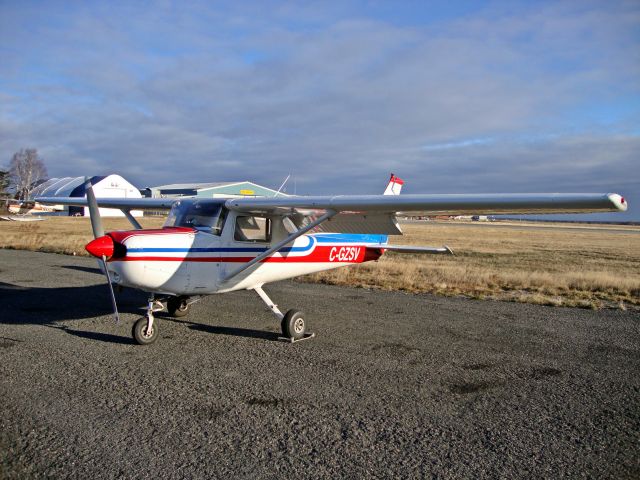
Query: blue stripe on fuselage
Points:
[361, 238]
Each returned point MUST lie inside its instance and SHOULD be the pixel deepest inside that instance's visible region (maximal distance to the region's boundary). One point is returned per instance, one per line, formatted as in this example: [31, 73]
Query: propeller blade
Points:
[113, 295]
[98, 232]
[94, 211]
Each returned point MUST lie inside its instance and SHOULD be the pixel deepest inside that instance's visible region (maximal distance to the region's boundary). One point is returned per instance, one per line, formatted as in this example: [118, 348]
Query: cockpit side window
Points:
[252, 229]
[204, 216]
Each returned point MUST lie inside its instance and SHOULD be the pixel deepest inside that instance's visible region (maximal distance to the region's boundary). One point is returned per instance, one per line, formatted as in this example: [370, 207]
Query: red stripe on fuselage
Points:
[321, 254]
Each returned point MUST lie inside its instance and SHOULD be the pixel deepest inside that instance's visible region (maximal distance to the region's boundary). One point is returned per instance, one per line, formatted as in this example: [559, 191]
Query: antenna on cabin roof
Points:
[283, 184]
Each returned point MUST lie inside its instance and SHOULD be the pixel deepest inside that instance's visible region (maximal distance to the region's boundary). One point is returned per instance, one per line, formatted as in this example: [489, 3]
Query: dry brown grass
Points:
[66, 235]
[591, 268]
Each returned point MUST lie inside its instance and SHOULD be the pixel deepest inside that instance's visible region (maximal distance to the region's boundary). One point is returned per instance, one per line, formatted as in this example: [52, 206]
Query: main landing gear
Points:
[145, 330]
[292, 323]
[178, 306]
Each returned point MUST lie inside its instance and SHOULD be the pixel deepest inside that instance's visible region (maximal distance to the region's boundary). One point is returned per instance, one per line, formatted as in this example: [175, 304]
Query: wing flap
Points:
[357, 223]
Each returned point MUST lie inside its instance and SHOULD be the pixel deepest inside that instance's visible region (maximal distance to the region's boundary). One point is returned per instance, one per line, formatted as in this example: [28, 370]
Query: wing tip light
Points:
[618, 201]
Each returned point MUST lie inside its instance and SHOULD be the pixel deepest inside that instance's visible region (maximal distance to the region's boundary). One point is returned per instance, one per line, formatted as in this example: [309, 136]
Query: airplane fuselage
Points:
[186, 261]
[30, 208]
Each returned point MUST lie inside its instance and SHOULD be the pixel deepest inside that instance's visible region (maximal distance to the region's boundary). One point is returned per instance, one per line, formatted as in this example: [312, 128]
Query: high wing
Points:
[377, 213]
[119, 203]
[445, 204]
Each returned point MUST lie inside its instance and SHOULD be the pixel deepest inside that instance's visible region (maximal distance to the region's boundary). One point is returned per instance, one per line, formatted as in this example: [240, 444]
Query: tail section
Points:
[394, 186]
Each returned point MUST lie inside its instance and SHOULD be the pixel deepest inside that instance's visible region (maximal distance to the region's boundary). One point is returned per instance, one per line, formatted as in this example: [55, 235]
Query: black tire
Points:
[178, 306]
[140, 332]
[293, 324]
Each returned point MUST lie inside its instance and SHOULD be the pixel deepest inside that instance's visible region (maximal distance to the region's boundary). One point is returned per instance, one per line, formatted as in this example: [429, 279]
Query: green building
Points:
[210, 190]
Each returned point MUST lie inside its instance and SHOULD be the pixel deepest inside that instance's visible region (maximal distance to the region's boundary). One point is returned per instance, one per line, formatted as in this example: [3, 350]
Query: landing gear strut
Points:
[292, 323]
[145, 330]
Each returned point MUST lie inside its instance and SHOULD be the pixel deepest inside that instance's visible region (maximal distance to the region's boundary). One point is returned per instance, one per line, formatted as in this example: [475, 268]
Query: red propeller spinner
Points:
[101, 247]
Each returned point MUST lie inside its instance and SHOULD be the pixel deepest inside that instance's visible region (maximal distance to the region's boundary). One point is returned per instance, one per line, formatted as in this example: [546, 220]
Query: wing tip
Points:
[618, 201]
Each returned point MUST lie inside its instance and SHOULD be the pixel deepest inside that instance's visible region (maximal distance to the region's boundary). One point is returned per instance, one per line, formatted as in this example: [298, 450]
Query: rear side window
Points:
[252, 229]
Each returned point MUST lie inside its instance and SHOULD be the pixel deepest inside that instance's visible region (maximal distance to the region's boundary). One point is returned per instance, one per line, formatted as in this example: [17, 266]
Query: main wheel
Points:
[140, 333]
[293, 325]
[178, 306]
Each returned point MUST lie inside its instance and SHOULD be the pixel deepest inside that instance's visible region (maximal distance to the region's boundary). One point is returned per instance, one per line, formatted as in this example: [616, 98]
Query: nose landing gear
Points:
[145, 330]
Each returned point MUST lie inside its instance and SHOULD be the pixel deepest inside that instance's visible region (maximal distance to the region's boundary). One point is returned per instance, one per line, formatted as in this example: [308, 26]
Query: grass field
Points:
[66, 235]
[591, 267]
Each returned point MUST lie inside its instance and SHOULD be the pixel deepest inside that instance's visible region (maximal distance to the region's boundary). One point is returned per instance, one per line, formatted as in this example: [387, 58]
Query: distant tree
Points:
[26, 171]
[4, 183]
[4, 195]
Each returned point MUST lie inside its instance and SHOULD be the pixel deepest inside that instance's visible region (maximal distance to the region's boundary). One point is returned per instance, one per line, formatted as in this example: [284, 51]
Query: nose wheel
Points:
[143, 333]
[145, 330]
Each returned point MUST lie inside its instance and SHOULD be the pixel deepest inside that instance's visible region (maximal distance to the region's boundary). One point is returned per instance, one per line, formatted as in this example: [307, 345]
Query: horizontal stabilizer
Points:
[411, 249]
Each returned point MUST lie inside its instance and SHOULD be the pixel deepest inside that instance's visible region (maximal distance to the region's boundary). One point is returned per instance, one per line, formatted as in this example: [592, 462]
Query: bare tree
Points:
[4, 183]
[4, 195]
[27, 170]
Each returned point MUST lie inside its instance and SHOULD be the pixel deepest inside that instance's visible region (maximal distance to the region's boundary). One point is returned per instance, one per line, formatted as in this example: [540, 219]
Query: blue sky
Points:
[463, 96]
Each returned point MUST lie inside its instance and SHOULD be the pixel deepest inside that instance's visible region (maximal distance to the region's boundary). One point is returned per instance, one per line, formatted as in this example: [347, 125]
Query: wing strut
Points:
[279, 245]
[131, 218]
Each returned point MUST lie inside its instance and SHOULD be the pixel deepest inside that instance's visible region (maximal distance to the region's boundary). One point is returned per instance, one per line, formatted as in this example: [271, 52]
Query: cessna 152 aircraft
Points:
[23, 208]
[212, 246]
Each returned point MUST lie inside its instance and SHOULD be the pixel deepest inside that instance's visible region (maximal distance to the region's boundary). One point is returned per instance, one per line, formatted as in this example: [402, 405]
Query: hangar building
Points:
[211, 190]
[109, 186]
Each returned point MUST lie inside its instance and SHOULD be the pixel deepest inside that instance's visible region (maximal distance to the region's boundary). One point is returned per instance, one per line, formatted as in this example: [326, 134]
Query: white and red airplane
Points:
[212, 246]
[23, 208]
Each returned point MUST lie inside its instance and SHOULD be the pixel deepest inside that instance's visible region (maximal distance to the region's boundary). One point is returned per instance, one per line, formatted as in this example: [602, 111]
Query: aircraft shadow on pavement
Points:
[79, 268]
[20, 305]
[232, 331]
[103, 337]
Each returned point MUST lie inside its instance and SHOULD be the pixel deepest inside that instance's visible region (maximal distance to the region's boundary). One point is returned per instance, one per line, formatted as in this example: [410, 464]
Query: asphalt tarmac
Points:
[394, 385]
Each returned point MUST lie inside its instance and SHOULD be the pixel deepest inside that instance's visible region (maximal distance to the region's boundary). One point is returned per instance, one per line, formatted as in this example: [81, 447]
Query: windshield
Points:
[203, 215]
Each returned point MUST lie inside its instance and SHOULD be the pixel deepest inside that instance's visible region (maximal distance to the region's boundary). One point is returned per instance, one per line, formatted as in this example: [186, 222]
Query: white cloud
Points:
[491, 101]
